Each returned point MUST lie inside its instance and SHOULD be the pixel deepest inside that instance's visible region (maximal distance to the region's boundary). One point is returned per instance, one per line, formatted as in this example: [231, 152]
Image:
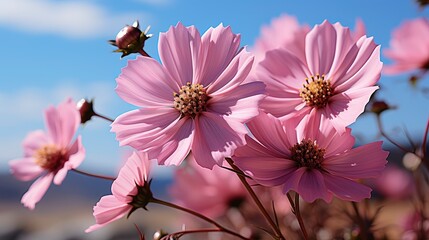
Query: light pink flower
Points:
[49, 155]
[283, 32]
[413, 226]
[130, 191]
[409, 47]
[194, 100]
[395, 183]
[331, 77]
[209, 192]
[311, 159]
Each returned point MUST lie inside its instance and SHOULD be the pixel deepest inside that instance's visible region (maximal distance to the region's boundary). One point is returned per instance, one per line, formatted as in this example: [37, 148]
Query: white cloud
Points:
[67, 18]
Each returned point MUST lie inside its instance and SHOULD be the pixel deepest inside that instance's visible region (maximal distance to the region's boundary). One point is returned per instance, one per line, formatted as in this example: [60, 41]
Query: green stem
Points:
[295, 207]
[103, 117]
[199, 215]
[255, 198]
[93, 175]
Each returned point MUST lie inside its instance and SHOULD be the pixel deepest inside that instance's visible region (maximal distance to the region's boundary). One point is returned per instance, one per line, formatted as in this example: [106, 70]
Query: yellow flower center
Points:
[191, 100]
[50, 157]
[307, 154]
[317, 91]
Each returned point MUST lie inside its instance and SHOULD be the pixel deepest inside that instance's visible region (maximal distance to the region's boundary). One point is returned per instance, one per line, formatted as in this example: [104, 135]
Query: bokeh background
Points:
[54, 49]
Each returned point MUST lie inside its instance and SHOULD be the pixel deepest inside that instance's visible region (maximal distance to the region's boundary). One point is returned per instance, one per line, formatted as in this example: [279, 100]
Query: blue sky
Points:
[53, 49]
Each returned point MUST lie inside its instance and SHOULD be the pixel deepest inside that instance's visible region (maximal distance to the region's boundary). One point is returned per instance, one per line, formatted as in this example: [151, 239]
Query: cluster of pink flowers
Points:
[278, 115]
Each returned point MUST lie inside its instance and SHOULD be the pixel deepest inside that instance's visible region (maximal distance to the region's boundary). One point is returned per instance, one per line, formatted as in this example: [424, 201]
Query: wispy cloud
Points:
[77, 19]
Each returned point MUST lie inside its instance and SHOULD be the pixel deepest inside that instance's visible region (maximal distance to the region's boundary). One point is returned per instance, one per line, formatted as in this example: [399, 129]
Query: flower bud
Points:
[378, 107]
[130, 39]
[158, 235]
[423, 3]
[86, 110]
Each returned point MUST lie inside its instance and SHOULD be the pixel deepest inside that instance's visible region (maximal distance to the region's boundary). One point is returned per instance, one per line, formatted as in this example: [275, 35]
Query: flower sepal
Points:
[142, 198]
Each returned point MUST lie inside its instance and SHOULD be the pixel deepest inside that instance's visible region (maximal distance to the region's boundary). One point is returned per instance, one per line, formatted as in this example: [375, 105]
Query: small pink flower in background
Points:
[209, 192]
[331, 77]
[130, 191]
[283, 32]
[413, 227]
[409, 47]
[194, 101]
[394, 183]
[311, 159]
[49, 155]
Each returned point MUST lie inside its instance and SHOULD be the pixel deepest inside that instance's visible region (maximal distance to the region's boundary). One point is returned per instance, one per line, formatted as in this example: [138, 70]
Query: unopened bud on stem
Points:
[131, 40]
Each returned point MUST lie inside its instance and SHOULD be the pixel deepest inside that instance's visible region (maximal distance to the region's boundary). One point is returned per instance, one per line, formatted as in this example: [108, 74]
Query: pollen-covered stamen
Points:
[50, 157]
[317, 91]
[191, 100]
[308, 154]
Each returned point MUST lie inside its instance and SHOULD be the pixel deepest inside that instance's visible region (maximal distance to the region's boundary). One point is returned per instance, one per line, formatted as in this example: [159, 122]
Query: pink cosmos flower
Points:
[409, 47]
[194, 100]
[130, 190]
[284, 32]
[331, 77]
[311, 159]
[49, 155]
[218, 189]
[395, 183]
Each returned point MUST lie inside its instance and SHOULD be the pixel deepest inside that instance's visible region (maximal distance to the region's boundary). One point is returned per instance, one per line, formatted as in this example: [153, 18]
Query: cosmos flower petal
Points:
[405, 58]
[212, 198]
[362, 68]
[34, 141]
[142, 128]
[76, 152]
[107, 210]
[37, 190]
[25, 169]
[241, 104]
[366, 161]
[175, 151]
[346, 189]
[219, 48]
[335, 143]
[270, 133]
[215, 139]
[282, 68]
[320, 47]
[135, 172]
[266, 170]
[62, 122]
[283, 32]
[233, 75]
[292, 181]
[76, 156]
[255, 149]
[344, 108]
[178, 48]
[312, 186]
[150, 85]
